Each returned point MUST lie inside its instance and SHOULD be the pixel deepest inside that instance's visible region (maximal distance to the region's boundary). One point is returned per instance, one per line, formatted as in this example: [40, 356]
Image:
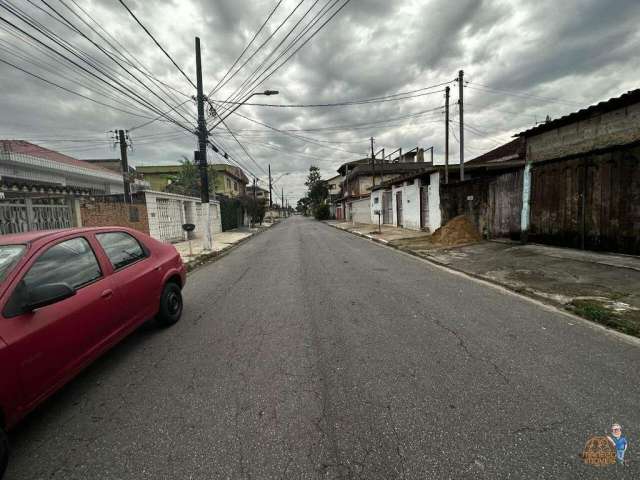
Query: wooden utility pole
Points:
[373, 163]
[255, 203]
[461, 111]
[446, 135]
[270, 188]
[207, 239]
[125, 165]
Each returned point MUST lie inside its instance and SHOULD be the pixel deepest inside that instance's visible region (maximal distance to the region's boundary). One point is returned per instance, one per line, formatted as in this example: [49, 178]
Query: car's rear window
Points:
[9, 256]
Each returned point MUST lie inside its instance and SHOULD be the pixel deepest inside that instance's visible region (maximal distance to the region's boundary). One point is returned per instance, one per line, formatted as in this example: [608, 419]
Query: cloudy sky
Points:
[522, 60]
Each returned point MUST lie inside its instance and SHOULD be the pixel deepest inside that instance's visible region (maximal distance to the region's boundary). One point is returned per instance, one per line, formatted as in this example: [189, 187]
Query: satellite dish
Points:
[188, 227]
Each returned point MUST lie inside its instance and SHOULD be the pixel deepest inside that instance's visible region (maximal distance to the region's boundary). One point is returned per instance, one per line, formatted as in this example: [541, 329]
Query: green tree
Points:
[187, 181]
[255, 208]
[317, 194]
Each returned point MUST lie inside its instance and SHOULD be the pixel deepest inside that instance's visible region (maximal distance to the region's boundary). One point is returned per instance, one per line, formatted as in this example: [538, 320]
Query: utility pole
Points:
[373, 162]
[282, 198]
[446, 135]
[270, 189]
[255, 203]
[461, 111]
[125, 165]
[207, 239]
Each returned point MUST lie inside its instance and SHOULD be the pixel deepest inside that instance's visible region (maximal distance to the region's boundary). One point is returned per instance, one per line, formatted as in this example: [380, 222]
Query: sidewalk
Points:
[602, 287]
[222, 242]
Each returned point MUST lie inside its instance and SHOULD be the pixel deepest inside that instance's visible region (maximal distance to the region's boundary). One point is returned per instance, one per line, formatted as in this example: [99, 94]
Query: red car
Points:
[67, 296]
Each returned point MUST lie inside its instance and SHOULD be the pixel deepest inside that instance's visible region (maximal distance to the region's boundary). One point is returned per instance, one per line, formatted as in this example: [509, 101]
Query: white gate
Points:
[170, 219]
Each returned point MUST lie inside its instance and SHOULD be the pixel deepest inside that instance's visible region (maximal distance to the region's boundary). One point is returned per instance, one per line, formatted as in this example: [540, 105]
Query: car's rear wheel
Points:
[170, 305]
[4, 452]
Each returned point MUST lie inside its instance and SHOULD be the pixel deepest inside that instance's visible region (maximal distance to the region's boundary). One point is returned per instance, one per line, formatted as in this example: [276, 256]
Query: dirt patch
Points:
[459, 230]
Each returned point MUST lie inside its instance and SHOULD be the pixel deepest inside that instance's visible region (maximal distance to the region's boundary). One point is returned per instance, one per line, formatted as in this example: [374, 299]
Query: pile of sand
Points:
[457, 231]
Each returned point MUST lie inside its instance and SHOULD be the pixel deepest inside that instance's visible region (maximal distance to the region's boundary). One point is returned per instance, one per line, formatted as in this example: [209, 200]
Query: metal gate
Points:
[399, 208]
[387, 208]
[170, 219]
[26, 214]
[424, 207]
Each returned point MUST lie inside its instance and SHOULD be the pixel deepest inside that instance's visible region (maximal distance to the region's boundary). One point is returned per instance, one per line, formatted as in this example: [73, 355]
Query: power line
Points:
[298, 137]
[215, 88]
[260, 46]
[95, 86]
[262, 79]
[132, 63]
[163, 114]
[156, 42]
[388, 98]
[69, 90]
[112, 58]
[479, 86]
[147, 73]
[249, 78]
[51, 36]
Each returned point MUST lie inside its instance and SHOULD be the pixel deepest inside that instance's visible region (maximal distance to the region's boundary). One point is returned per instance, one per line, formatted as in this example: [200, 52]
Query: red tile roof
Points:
[27, 148]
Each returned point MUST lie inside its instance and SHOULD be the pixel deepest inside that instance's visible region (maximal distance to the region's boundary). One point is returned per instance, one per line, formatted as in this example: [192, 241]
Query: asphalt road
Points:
[311, 353]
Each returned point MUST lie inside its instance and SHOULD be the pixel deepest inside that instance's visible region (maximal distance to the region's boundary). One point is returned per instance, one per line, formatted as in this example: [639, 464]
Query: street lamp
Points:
[283, 175]
[239, 104]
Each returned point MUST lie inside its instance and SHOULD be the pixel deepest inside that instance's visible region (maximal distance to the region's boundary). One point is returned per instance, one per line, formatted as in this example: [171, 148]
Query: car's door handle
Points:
[107, 293]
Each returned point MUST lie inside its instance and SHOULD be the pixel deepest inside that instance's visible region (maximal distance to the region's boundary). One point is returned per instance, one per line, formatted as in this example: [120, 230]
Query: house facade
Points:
[229, 180]
[573, 181]
[360, 177]
[261, 194]
[39, 187]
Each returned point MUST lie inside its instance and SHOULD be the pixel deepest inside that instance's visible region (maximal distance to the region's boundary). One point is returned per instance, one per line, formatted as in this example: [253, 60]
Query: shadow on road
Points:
[62, 405]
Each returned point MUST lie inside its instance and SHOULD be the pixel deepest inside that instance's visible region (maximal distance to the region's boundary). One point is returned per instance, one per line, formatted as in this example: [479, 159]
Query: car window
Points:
[71, 262]
[121, 248]
[9, 256]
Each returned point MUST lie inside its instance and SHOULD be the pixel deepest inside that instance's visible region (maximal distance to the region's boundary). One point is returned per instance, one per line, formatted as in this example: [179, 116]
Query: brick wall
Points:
[107, 213]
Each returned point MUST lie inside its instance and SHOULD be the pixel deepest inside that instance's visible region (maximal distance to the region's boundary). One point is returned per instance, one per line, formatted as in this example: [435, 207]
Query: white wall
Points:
[376, 195]
[361, 211]
[410, 204]
[185, 209]
[435, 216]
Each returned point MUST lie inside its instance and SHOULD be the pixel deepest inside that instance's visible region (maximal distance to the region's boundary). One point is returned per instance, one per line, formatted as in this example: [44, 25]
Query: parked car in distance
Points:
[67, 296]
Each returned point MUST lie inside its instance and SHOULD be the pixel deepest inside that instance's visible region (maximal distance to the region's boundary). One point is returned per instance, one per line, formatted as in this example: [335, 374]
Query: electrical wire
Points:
[45, 32]
[156, 42]
[216, 87]
[264, 78]
[112, 58]
[479, 86]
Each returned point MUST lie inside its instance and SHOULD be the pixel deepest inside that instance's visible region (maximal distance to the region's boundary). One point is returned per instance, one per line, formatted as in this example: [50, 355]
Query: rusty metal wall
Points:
[590, 202]
[504, 205]
[493, 203]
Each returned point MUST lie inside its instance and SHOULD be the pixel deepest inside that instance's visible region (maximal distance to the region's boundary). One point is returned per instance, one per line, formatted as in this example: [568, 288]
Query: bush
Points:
[322, 212]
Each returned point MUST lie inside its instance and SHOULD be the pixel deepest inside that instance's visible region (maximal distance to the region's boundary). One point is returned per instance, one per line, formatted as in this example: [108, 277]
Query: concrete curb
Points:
[207, 258]
[518, 291]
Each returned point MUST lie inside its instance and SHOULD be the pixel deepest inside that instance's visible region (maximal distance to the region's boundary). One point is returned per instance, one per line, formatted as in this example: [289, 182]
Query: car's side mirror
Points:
[47, 294]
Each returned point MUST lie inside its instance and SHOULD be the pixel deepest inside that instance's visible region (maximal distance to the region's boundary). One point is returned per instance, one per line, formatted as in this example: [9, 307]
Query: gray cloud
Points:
[579, 51]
